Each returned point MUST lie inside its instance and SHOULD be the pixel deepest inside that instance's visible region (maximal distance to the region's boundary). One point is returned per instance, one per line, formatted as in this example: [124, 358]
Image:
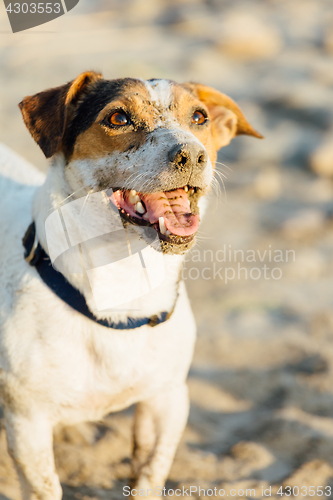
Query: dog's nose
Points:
[184, 156]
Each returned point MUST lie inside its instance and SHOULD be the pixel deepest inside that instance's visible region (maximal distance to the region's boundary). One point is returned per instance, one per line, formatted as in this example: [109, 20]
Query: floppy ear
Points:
[226, 117]
[47, 113]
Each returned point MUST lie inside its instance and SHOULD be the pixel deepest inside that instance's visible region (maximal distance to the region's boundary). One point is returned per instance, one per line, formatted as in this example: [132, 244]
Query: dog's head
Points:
[153, 142]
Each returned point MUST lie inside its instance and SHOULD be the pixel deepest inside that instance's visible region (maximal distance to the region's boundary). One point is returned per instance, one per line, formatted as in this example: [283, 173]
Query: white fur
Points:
[50, 199]
[58, 366]
[160, 92]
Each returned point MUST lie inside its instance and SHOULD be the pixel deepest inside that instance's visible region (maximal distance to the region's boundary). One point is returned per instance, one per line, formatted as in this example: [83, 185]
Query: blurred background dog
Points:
[261, 382]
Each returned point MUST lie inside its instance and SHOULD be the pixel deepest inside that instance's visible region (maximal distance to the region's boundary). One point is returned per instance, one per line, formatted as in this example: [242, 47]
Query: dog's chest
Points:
[124, 368]
[93, 371]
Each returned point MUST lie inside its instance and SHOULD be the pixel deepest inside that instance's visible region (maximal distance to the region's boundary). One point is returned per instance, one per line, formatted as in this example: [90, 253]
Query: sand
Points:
[262, 376]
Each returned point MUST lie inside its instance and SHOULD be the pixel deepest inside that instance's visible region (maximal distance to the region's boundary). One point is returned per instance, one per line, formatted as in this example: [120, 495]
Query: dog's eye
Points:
[198, 118]
[119, 118]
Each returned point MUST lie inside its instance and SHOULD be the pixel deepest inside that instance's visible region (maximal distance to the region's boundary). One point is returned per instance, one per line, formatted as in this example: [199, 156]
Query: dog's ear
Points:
[47, 113]
[227, 119]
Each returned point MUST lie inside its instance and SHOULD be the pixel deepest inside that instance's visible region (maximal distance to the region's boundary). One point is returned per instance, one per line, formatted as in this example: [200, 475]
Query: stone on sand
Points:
[321, 160]
[268, 184]
[244, 36]
[306, 223]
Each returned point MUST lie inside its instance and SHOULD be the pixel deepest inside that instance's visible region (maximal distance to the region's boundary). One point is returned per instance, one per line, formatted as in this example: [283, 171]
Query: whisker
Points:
[220, 178]
[85, 200]
[203, 238]
[216, 187]
[224, 165]
[62, 201]
[134, 178]
[140, 179]
[145, 186]
[134, 175]
[220, 173]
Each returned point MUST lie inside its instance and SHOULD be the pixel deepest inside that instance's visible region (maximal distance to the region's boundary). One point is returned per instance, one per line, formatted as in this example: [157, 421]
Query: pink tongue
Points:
[174, 206]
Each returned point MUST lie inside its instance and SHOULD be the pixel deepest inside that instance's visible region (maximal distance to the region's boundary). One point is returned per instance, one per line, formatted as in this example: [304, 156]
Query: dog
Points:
[79, 336]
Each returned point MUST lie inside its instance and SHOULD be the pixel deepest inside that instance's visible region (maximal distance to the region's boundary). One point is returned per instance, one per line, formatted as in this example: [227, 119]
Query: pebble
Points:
[328, 42]
[309, 264]
[244, 36]
[321, 160]
[307, 223]
[314, 473]
[321, 189]
[268, 184]
[253, 454]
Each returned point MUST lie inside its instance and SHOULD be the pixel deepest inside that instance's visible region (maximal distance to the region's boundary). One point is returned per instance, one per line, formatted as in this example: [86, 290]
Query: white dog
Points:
[109, 324]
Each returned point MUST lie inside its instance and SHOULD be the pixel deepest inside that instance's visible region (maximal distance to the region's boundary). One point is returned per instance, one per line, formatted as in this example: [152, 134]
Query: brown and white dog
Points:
[147, 150]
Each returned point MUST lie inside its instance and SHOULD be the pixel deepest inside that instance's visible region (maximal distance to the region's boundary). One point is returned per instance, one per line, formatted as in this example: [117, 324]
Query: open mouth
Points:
[173, 214]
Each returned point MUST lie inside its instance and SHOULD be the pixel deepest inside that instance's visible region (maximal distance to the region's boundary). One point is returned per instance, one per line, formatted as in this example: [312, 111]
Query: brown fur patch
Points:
[184, 105]
[97, 143]
[217, 103]
[46, 113]
[100, 140]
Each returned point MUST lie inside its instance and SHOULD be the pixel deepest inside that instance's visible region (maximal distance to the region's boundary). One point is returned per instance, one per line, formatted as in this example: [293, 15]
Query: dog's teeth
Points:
[186, 189]
[133, 197]
[139, 208]
[146, 217]
[191, 190]
[163, 228]
[167, 232]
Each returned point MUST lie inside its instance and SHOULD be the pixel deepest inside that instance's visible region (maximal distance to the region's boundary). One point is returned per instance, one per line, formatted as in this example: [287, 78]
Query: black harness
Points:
[36, 256]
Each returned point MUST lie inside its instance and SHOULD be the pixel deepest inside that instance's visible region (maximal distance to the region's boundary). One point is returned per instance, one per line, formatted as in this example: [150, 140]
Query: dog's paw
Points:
[142, 486]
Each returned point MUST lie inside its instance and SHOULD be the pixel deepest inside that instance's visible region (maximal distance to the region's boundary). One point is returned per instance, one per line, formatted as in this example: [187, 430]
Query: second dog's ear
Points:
[227, 119]
[47, 113]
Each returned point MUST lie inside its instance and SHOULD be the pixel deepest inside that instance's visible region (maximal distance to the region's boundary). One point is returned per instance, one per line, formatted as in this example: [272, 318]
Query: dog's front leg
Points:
[158, 426]
[29, 438]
